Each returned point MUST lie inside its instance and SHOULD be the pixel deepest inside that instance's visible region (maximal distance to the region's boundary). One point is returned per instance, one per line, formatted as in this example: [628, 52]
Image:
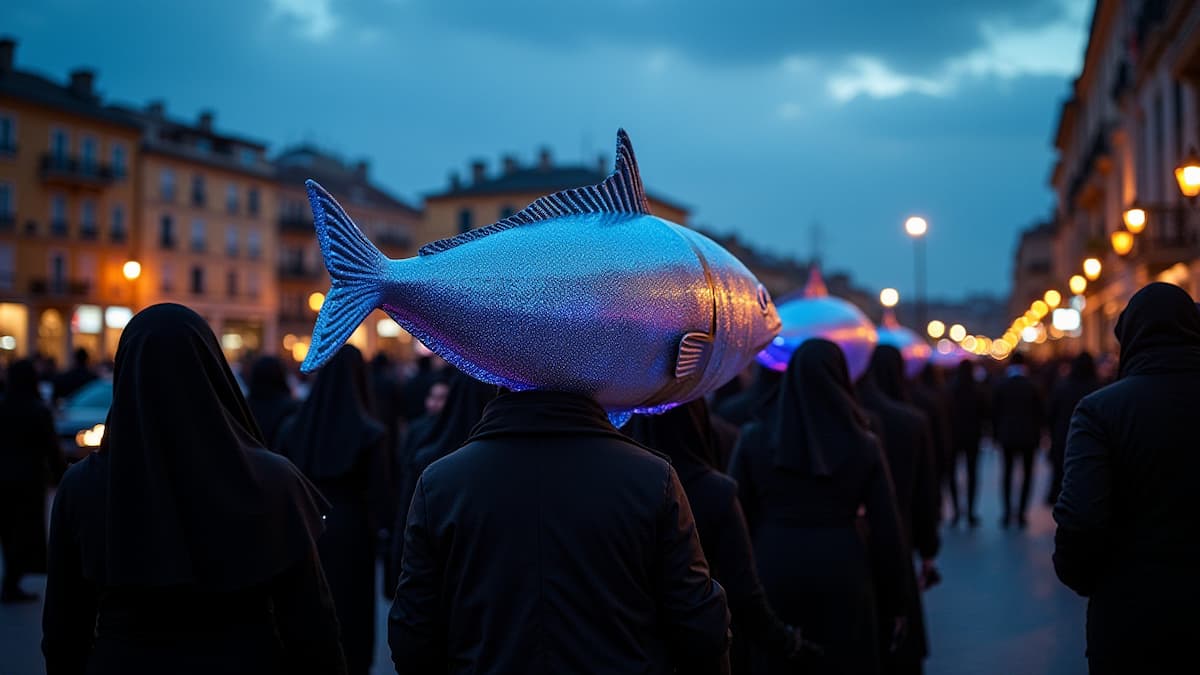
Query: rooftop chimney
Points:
[455, 181]
[360, 169]
[478, 171]
[206, 120]
[545, 161]
[510, 165]
[602, 164]
[8, 50]
[81, 82]
[156, 108]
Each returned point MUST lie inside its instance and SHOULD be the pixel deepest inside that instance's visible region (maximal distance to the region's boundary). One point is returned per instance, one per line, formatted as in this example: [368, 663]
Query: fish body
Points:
[583, 291]
[815, 314]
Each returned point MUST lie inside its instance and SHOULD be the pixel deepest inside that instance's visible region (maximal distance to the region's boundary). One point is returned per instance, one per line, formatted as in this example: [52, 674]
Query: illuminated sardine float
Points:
[915, 350]
[815, 314]
[582, 291]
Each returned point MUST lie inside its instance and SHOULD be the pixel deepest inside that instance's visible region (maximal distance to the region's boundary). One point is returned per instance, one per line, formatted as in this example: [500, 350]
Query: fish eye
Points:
[764, 298]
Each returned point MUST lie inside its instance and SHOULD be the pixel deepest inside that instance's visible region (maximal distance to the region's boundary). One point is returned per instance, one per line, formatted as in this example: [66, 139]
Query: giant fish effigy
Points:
[582, 291]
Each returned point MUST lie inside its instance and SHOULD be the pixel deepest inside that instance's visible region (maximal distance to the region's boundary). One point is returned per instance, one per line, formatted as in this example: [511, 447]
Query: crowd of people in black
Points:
[790, 525]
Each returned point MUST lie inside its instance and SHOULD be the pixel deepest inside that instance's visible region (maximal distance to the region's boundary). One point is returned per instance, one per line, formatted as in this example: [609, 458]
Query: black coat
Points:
[1126, 516]
[550, 543]
[284, 625]
[815, 568]
[968, 410]
[1017, 413]
[30, 459]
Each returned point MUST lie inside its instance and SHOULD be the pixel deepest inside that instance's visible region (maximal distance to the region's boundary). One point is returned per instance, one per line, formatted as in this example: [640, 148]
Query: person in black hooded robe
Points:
[929, 394]
[968, 410]
[1127, 512]
[910, 458]
[30, 459]
[270, 397]
[336, 442]
[1079, 382]
[685, 434]
[459, 414]
[803, 473]
[183, 544]
[746, 405]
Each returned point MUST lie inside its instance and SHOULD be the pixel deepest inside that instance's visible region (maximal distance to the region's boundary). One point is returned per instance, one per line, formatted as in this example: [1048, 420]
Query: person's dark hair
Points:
[81, 358]
[380, 361]
[1083, 367]
[1018, 359]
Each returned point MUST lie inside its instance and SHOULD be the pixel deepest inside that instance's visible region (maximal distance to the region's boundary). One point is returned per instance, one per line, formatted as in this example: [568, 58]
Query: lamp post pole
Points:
[916, 227]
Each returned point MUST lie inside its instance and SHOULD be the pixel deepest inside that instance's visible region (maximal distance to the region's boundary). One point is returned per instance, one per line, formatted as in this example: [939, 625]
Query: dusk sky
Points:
[764, 117]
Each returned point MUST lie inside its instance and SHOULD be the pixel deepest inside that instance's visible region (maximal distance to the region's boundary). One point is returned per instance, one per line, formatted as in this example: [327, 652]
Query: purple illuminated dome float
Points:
[582, 291]
[915, 350]
[813, 313]
[949, 354]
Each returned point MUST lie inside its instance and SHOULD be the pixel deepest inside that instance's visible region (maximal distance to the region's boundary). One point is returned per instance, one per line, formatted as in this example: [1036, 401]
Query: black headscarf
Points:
[815, 423]
[886, 373]
[751, 402]
[1159, 332]
[270, 397]
[683, 433]
[21, 385]
[1083, 368]
[464, 406]
[334, 426]
[193, 497]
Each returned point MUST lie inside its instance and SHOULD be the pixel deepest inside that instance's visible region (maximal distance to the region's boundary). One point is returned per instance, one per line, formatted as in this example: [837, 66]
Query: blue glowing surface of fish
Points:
[915, 350]
[582, 291]
[815, 314]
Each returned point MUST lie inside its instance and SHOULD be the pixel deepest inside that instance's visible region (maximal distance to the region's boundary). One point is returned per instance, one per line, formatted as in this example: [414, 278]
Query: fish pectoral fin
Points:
[694, 350]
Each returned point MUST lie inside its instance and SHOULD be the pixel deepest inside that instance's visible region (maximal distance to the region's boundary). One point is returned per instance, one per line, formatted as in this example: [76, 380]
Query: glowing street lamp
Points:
[1091, 269]
[1135, 219]
[916, 226]
[1187, 174]
[132, 269]
[1052, 298]
[1077, 284]
[957, 332]
[1122, 242]
[889, 297]
[936, 329]
[316, 301]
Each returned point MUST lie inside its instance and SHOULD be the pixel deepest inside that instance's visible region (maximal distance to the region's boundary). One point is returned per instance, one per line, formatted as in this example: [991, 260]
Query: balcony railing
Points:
[89, 232]
[294, 271]
[71, 170]
[1172, 235]
[60, 287]
[59, 228]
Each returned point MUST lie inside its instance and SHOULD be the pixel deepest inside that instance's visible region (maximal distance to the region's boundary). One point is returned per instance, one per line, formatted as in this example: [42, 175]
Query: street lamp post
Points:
[916, 227]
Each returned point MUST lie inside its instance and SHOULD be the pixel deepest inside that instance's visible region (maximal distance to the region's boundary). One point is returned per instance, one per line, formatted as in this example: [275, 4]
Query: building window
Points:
[198, 239]
[117, 230]
[253, 244]
[87, 219]
[231, 198]
[58, 272]
[8, 134]
[231, 284]
[166, 231]
[198, 190]
[464, 220]
[58, 215]
[231, 240]
[7, 209]
[166, 185]
[252, 201]
[118, 160]
[8, 267]
[87, 154]
[87, 270]
[59, 142]
[197, 280]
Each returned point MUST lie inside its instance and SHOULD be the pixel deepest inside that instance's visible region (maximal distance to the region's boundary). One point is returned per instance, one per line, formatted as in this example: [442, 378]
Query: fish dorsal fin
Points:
[621, 192]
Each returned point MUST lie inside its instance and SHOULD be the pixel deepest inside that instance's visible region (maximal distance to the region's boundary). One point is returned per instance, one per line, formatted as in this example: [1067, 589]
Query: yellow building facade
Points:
[68, 195]
[207, 236]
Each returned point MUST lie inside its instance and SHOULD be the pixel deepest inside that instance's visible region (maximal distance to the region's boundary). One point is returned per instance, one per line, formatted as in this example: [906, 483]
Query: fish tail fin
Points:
[356, 272]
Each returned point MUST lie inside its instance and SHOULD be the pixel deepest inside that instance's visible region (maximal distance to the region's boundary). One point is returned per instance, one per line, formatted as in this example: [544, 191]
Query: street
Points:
[999, 610]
